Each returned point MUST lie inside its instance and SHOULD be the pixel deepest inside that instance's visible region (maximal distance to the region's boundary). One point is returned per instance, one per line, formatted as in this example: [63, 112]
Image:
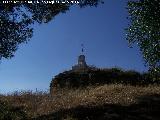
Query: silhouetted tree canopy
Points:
[17, 19]
[144, 29]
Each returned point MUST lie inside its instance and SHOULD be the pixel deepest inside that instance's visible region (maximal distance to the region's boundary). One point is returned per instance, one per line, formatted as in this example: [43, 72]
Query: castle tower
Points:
[81, 66]
[81, 61]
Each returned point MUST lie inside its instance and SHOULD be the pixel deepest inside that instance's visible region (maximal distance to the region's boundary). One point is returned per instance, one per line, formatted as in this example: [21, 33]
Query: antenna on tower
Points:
[82, 45]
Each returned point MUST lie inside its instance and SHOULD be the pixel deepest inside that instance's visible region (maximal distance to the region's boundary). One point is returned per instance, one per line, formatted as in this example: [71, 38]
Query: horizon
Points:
[55, 47]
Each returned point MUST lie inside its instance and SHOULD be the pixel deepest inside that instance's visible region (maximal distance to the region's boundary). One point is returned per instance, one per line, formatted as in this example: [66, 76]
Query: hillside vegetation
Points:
[106, 94]
[105, 102]
[95, 76]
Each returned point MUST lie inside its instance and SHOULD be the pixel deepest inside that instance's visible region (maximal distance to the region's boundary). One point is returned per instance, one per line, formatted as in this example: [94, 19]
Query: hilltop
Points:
[93, 76]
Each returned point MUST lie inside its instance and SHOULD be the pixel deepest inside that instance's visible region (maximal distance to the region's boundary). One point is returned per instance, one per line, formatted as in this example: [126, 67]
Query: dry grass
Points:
[41, 103]
[96, 96]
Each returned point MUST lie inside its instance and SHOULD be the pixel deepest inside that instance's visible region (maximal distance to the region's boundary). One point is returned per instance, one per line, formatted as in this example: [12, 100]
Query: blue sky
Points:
[55, 47]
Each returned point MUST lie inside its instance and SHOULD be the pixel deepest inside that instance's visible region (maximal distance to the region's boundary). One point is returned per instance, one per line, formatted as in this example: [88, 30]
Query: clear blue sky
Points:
[56, 45]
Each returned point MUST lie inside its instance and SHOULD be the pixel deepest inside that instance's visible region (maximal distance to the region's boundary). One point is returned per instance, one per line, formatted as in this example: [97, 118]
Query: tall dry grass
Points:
[41, 103]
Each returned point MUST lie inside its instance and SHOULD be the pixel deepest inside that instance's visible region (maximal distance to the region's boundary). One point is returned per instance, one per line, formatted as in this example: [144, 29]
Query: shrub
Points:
[74, 79]
[8, 112]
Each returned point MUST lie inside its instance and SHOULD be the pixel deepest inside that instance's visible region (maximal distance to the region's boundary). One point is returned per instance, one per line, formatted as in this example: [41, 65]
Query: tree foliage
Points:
[144, 29]
[17, 19]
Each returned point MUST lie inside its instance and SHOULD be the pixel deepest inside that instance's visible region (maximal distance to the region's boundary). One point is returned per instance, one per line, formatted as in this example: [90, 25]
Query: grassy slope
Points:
[92, 103]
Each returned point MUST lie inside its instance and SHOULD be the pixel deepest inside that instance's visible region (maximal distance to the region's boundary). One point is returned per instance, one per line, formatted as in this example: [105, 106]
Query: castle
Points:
[71, 78]
[82, 65]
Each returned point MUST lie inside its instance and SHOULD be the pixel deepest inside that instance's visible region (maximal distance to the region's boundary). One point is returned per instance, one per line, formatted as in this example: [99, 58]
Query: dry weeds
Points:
[40, 103]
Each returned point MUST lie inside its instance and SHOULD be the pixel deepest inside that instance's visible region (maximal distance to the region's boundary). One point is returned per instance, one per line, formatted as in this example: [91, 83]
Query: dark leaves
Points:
[17, 19]
[144, 29]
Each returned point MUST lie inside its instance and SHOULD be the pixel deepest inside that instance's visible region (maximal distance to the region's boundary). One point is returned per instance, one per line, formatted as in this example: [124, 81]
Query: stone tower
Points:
[81, 66]
[82, 61]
